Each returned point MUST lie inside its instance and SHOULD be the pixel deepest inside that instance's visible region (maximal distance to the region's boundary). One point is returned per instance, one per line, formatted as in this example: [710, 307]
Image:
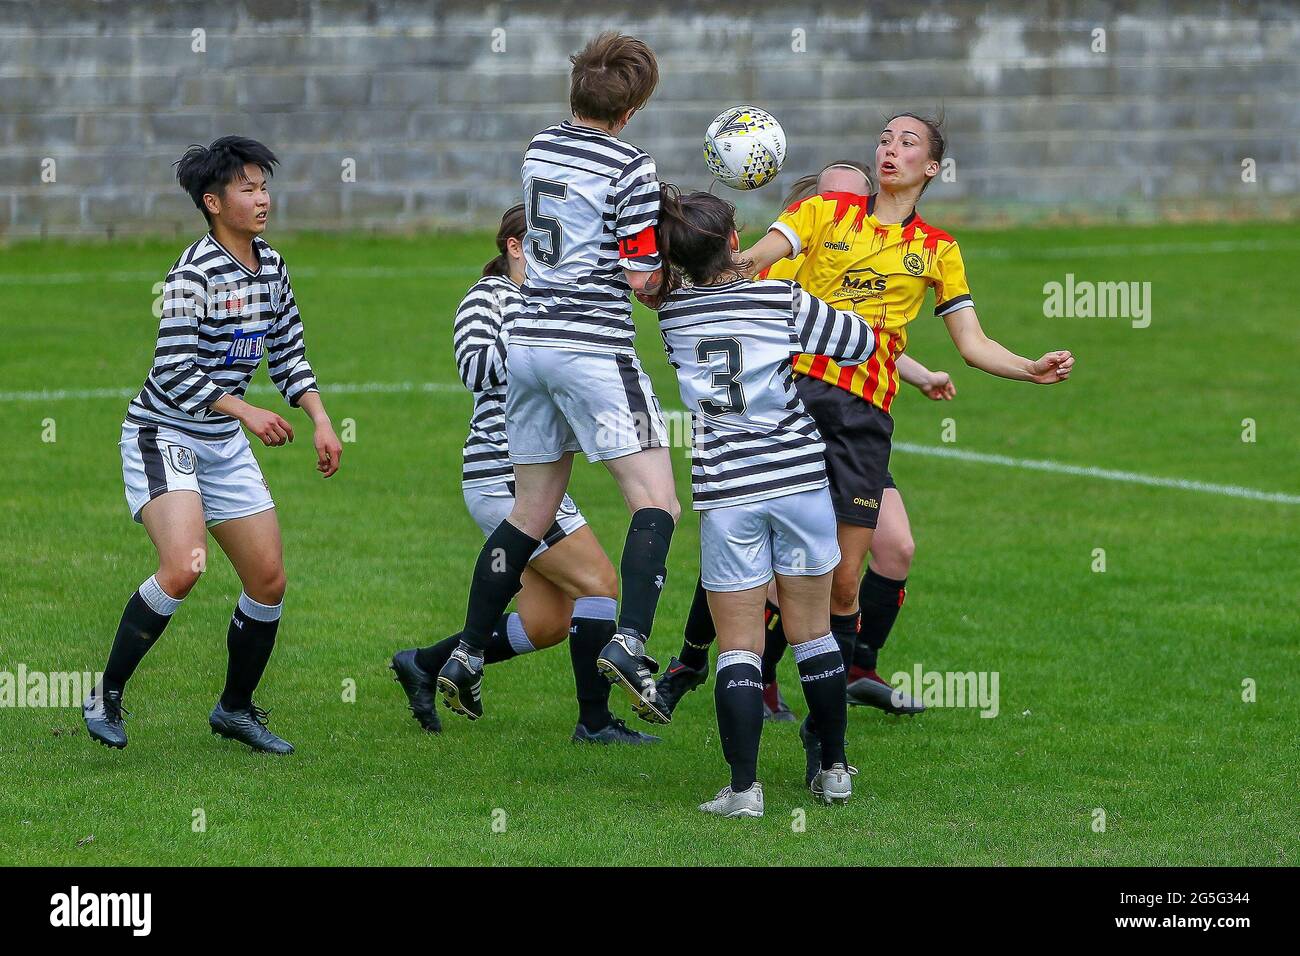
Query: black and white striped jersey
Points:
[732, 346]
[218, 318]
[592, 203]
[484, 321]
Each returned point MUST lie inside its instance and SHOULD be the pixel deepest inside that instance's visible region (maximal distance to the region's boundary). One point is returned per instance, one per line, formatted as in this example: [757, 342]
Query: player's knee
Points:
[675, 509]
[267, 586]
[178, 579]
[600, 580]
[844, 594]
[905, 552]
[893, 558]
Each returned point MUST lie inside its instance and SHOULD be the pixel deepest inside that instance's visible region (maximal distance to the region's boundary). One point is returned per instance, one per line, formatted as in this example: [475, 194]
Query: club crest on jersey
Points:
[913, 264]
[247, 346]
[182, 459]
[860, 284]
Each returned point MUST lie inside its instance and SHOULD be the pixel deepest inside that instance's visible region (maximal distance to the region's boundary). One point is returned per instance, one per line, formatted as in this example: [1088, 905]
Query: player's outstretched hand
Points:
[268, 426]
[939, 388]
[1052, 368]
[328, 449]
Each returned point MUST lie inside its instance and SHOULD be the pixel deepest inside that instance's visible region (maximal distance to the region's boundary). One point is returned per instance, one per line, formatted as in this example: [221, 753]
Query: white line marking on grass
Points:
[341, 388]
[1106, 474]
[1118, 250]
[933, 451]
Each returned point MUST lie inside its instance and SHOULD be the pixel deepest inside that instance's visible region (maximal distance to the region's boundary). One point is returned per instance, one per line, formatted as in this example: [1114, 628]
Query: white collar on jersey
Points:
[236, 260]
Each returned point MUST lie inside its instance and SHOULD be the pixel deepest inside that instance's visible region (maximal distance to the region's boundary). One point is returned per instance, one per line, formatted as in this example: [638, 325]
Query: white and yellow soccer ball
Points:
[744, 147]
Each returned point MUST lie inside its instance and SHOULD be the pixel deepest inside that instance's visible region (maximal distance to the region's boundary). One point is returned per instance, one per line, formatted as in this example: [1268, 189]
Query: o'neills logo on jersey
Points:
[247, 346]
[840, 246]
[866, 502]
[74, 908]
[858, 285]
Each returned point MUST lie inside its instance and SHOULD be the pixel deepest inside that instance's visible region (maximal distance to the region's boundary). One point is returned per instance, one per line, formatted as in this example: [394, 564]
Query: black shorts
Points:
[858, 436]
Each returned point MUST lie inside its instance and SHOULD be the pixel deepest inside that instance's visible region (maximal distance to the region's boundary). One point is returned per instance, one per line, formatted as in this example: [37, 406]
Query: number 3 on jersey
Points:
[724, 377]
[549, 226]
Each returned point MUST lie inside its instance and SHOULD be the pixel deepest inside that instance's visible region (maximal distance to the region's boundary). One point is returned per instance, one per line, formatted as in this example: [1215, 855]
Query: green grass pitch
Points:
[1120, 691]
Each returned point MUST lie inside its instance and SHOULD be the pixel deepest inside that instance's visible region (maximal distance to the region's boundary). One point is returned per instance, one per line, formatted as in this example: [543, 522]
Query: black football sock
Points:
[249, 642]
[508, 640]
[844, 628]
[775, 645]
[821, 674]
[590, 631]
[144, 619]
[432, 658]
[881, 599]
[497, 574]
[738, 698]
[699, 633]
[643, 568]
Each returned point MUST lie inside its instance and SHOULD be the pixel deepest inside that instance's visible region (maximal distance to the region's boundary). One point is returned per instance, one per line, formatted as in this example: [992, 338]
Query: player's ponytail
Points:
[694, 236]
[513, 226]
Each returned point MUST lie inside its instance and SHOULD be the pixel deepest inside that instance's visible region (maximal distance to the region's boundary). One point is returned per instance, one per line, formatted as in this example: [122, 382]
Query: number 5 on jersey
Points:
[549, 226]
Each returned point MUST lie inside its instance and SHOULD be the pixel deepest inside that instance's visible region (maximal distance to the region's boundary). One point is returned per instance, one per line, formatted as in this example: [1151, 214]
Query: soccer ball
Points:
[744, 147]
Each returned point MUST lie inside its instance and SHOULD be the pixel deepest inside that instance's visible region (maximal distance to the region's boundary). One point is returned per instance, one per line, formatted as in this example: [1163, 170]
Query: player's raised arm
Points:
[988, 355]
[763, 254]
[636, 209]
[823, 330]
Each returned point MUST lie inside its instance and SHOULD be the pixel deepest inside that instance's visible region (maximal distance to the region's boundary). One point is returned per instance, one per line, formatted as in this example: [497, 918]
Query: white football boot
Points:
[731, 804]
[834, 785]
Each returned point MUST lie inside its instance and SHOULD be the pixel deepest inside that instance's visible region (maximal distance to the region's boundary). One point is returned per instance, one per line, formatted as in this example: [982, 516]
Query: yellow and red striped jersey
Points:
[846, 257]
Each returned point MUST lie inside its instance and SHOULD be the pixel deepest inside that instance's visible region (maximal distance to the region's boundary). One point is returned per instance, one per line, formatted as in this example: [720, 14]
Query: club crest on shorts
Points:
[182, 459]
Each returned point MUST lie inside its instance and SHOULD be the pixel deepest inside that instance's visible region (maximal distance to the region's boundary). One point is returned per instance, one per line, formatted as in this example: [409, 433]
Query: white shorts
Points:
[490, 504]
[157, 459]
[741, 545]
[559, 400]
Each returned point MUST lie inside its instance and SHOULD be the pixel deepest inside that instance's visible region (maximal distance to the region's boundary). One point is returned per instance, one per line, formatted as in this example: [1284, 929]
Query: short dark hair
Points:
[210, 169]
[613, 74]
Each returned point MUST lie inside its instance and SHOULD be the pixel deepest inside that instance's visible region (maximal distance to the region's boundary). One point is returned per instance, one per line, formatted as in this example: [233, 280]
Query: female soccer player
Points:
[569, 579]
[575, 381]
[758, 481]
[185, 461]
[876, 255]
[891, 545]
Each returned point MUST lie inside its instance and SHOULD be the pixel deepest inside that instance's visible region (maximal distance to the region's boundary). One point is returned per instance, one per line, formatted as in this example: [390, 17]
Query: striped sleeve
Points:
[480, 339]
[635, 200]
[823, 330]
[176, 370]
[286, 349]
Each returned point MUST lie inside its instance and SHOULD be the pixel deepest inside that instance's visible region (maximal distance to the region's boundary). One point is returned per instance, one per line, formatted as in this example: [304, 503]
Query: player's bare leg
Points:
[738, 697]
[174, 521]
[880, 594]
[498, 576]
[645, 479]
[254, 548]
[804, 610]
